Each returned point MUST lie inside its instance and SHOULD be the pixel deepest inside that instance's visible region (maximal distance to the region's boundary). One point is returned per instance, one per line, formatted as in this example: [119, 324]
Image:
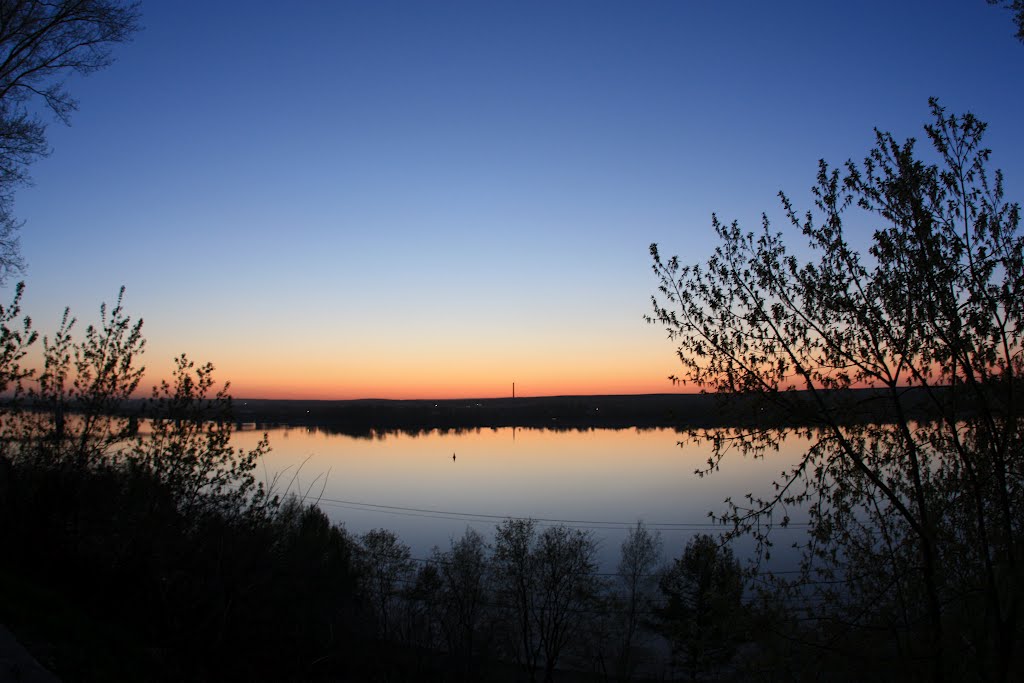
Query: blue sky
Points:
[406, 199]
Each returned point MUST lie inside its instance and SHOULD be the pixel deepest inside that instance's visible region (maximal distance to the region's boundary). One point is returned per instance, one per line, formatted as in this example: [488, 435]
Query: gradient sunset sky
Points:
[437, 199]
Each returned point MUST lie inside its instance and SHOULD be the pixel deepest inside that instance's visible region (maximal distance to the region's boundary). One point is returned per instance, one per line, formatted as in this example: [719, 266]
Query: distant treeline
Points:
[645, 411]
[365, 417]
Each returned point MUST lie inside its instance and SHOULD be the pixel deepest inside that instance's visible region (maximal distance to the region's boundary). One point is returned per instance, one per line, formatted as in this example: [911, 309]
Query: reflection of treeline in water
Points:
[367, 417]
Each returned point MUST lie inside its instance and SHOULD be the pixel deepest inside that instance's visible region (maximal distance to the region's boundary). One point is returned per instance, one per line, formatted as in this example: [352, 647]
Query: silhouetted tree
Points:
[188, 445]
[310, 602]
[93, 378]
[914, 489]
[548, 581]
[41, 43]
[516, 584]
[1017, 7]
[422, 621]
[568, 584]
[464, 575]
[16, 337]
[387, 567]
[703, 607]
[638, 562]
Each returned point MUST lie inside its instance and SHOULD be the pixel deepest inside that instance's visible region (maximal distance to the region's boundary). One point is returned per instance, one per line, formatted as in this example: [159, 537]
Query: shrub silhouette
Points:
[156, 527]
[908, 358]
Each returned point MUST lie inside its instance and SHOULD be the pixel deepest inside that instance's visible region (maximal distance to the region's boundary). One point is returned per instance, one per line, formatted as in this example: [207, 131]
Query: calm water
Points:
[601, 480]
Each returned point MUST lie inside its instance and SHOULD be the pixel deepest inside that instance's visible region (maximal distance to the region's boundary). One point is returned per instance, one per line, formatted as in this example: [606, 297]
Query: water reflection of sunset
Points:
[599, 479]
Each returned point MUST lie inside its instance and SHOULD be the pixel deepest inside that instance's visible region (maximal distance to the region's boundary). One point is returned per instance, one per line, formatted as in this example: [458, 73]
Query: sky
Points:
[356, 199]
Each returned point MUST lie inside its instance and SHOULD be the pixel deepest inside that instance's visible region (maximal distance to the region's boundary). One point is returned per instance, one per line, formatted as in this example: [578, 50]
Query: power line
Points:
[486, 517]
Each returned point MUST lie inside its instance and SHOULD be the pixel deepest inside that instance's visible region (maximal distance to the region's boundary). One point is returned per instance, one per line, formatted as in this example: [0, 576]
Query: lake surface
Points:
[600, 480]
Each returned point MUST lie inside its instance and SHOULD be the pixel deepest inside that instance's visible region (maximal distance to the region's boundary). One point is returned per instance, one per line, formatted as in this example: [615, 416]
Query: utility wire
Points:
[485, 517]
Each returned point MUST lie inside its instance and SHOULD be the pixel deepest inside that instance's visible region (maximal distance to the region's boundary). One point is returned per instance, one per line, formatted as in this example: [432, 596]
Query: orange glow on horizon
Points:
[391, 373]
[418, 391]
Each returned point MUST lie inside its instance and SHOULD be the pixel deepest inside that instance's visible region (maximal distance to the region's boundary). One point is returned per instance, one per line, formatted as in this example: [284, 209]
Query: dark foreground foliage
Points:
[913, 558]
[146, 549]
[213, 597]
